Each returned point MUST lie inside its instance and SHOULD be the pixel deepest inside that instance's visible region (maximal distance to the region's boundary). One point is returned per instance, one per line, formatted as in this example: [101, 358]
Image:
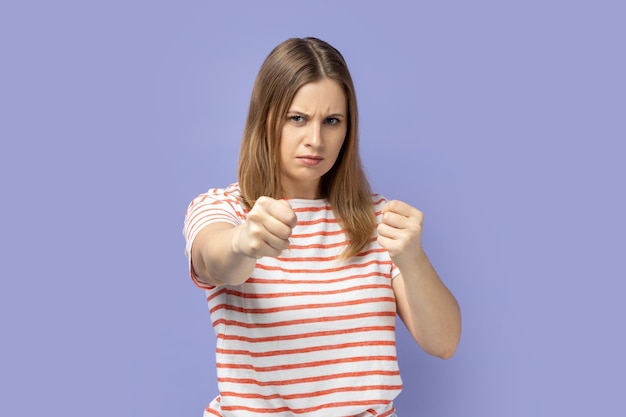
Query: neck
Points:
[302, 192]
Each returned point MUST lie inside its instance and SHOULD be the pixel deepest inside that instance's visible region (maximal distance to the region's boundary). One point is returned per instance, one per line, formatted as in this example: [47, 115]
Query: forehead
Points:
[325, 95]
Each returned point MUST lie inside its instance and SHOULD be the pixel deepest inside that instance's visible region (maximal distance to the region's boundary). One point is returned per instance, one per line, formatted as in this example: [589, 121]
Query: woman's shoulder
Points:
[230, 195]
[231, 191]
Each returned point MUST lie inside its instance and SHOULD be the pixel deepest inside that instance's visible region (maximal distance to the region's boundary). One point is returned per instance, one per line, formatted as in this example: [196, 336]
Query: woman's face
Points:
[312, 136]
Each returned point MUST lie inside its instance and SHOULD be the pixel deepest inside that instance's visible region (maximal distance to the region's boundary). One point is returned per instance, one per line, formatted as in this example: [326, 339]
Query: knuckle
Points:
[254, 216]
[263, 203]
[254, 230]
[255, 245]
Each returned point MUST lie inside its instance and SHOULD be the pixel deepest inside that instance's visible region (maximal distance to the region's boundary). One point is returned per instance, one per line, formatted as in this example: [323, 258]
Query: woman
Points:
[304, 268]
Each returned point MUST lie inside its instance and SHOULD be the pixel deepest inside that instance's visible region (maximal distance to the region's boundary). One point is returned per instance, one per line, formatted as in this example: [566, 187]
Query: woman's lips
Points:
[310, 160]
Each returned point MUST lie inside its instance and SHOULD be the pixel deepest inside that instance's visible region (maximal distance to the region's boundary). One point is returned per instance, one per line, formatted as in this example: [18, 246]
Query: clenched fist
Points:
[400, 231]
[266, 230]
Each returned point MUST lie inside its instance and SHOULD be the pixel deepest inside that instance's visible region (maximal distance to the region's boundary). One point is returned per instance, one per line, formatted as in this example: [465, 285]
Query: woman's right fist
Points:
[266, 230]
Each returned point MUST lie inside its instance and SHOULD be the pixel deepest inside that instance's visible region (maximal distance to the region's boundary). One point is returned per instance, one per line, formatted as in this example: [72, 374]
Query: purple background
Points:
[504, 122]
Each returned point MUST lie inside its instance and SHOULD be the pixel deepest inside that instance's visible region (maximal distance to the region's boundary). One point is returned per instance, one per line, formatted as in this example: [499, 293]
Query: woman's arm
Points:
[224, 254]
[214, 260]
[427, 308]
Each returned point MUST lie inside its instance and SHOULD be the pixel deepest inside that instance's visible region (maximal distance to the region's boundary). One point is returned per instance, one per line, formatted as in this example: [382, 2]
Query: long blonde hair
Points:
[292, 64]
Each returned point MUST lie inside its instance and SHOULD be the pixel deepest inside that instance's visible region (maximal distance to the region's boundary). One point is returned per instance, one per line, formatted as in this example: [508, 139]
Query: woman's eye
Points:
[296, 118]
[332, 121]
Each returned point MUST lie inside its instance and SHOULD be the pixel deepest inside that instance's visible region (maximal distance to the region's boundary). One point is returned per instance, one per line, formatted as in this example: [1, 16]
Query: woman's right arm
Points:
[224, 254]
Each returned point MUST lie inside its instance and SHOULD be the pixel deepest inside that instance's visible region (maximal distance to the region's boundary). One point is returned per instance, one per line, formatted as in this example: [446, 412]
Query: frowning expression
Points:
[312, 137]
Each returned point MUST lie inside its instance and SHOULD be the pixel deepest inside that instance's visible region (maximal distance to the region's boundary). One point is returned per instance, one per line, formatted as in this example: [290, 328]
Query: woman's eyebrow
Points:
[301, 113]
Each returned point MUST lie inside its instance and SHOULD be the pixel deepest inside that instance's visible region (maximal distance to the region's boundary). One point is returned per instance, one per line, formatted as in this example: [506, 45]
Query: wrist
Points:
[413, 262]
[235, 242]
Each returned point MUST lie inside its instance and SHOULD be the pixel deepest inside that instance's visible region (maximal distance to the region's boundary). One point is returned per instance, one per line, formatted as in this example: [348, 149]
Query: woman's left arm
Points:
[425, 305]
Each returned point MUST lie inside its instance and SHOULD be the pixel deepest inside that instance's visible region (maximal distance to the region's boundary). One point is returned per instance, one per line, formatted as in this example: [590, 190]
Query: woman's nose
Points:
[314, 136]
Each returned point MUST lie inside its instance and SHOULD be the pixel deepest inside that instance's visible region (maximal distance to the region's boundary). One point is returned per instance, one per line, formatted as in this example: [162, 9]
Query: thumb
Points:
[293, 220]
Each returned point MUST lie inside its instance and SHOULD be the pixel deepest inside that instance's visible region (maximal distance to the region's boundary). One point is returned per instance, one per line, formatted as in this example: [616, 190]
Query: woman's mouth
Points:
[310, 160]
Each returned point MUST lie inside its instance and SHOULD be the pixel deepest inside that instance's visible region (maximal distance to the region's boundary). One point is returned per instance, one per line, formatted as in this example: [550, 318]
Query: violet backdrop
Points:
[504, 122]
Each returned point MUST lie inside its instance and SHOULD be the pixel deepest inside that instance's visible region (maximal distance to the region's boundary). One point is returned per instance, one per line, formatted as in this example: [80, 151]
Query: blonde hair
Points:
[292, 64]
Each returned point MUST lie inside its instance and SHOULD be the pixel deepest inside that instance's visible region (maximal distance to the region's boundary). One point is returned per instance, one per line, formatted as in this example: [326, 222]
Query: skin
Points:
[427, 308]
[311, 138]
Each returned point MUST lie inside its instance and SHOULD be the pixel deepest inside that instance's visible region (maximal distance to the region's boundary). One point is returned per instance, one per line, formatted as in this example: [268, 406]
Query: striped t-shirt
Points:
[307, 334]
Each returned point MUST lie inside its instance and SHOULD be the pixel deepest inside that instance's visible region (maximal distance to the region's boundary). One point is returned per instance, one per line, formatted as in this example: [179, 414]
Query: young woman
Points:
[304, 267]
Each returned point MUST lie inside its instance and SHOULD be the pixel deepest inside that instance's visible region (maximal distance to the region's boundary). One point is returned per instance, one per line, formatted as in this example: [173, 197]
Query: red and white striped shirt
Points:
[307, 334]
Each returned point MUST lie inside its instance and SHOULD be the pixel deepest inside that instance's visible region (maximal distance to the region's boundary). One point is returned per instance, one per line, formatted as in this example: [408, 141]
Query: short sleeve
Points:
[395, 271]
[216, 205]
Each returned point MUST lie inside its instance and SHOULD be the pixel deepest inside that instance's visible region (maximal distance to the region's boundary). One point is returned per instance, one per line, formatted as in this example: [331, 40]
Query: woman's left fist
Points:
[400, 231]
